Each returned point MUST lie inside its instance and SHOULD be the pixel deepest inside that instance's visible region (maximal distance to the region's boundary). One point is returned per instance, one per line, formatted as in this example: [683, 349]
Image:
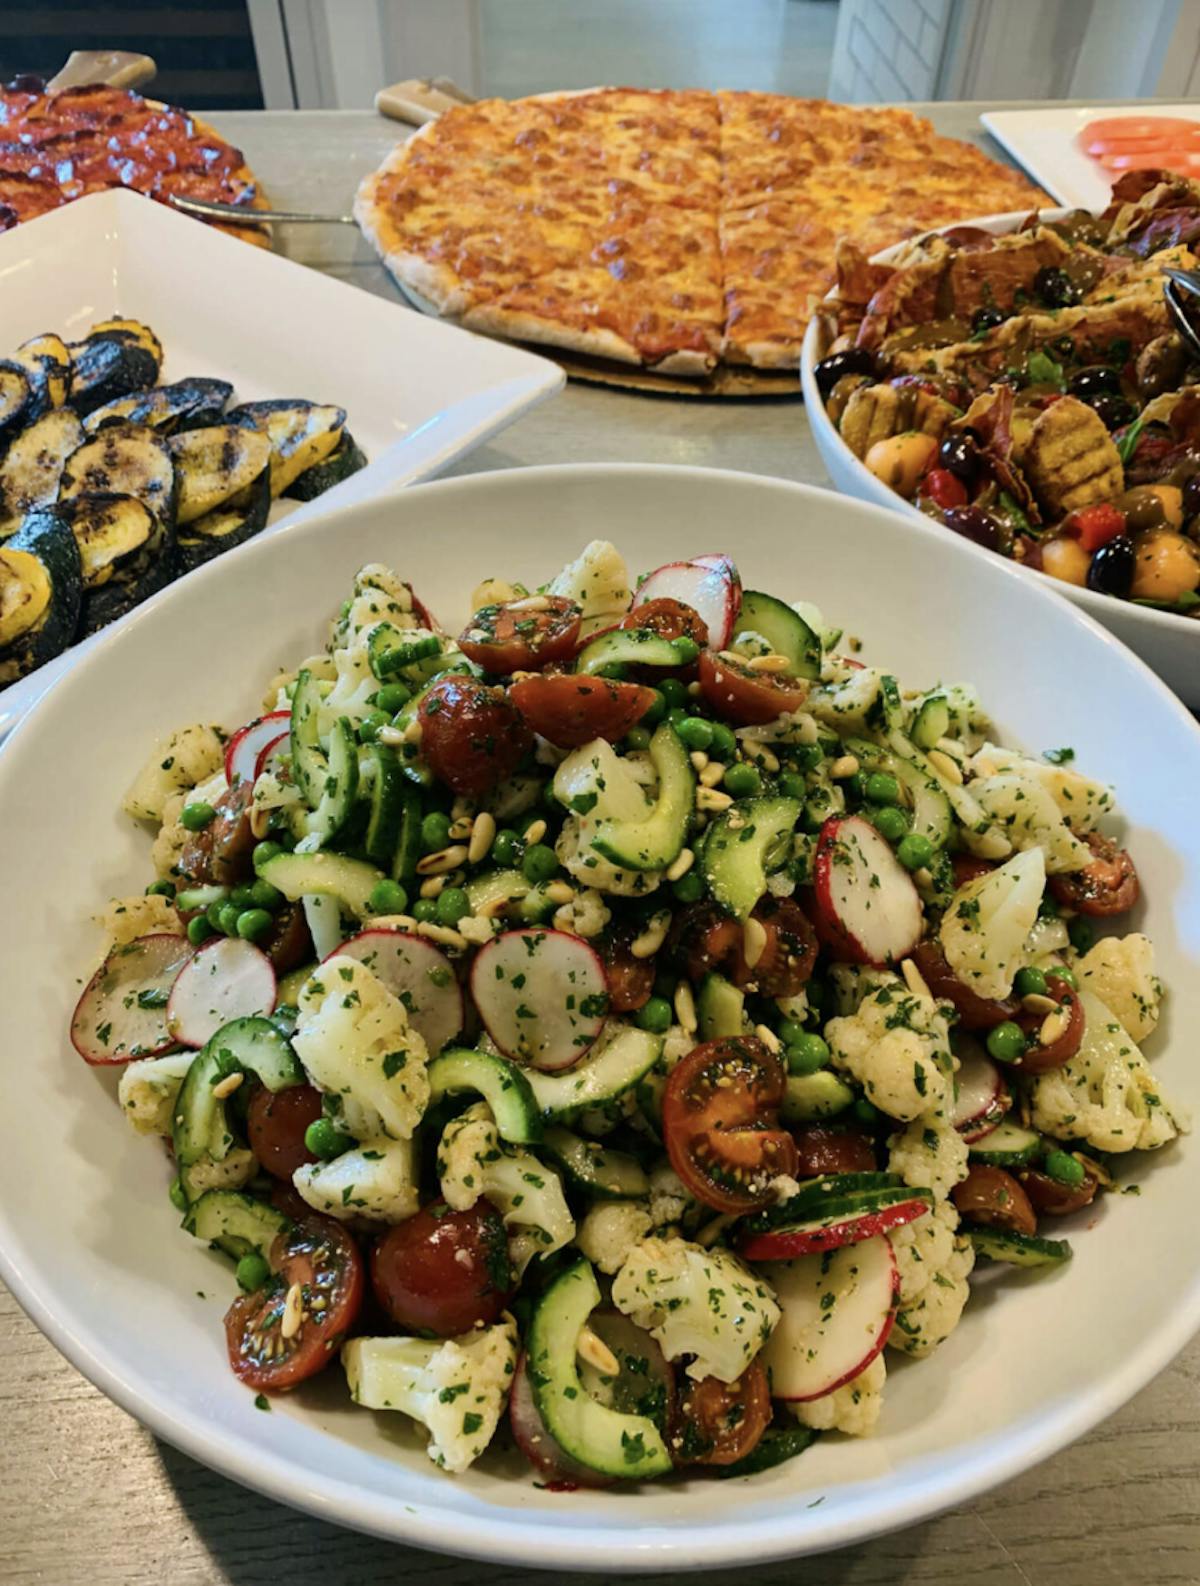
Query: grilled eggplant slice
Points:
[215, 464]
[302, 434]
[106, 367]
[238, 520]
[186, 405]
[41, 590]
[123, 460]
[315, 481]
[126, 552]
[46, 360]
[16, 398]
[33, 465]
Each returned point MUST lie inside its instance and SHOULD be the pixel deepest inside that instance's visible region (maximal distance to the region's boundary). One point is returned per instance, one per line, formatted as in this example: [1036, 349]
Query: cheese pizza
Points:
[670, 229]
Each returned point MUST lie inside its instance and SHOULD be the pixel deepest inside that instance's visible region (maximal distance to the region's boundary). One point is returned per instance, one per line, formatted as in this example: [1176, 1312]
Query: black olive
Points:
[1055, 287]
[1111, 570]
[1113, 408]
[1096, 377]
[853, 360]
[959, 453]
[974, 523]
[1191, 496]
[26, 83]
[987, 318]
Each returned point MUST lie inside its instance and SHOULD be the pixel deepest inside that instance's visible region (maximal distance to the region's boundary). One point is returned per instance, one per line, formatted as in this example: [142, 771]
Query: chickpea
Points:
[1064, 558]
[1165, 567]
[1171, 498]
[901, 460]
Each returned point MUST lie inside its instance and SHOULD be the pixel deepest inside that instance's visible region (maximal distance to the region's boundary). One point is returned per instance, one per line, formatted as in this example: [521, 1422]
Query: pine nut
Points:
[699, 759]
[845, 765]
[433, 886]
[593, 1349]
[915, 980]
[708, 798]
[293, 1313]
[483, 834]
[534, 833]
[530, 603]
[760, 754]
[441, 934]
[685, 1007]
[754, 941]
[712, 1231]
[950, 747]
[460, 829]
[694, 690]
[227, 1086]
[394, 737]
[445, 859]
[681, 865]
[260, 823]
[768, 1037]
[560, 892]
[652, 938]
[1053, 1026]
[492, 907]
[1036, 1003]
[712, 774]
[769, 663]
[944, 766]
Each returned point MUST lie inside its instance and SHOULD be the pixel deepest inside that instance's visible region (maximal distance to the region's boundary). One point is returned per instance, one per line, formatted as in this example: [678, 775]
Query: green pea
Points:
[539, 864]
[689, 888]
[914, 851]
[676, 717]
[696, 732]
[807, 1055]
[195, 817]
[1064, 1169]
[792, 785]
[856, 787]
[435, 831]
[424, 911]
[791, 1031]
[1082, 934]
[198, 930]
[742, 781]
[391, 698]
[686, 649]
[883, 788]
[387, 897]
[1065, 972]
[1006, 1042]
[243, 896]
[506, 847]
[890, 822]
[867, 1113]
[263, 852]
[724, 744]
[673, 692]
[1030, 983]
[228, 915]
[178, 1199]
[252, 1274]
[324, 1140]
[368, 727]
[654, 1016]
[656, 710]
[638, 738]
[161, 889]
[253, 924]
[451, 905]
[264, 896]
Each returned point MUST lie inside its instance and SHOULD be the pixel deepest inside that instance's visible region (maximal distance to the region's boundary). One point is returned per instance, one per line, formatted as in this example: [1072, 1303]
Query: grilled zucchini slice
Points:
[41, 589]
[106, 367]
[16, 397]
[302, 434]
[315, 481]
[123, 460]
[33, 465]
[46, 359]
[214, 465]
[186, 405]
[130, 331]
[227, 526]
[126, 554]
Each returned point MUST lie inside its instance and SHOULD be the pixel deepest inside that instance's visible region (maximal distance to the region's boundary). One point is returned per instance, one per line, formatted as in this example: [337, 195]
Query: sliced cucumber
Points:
[832, 1194]
[350, 881]
[392, 655]
[255, 1044]
[501, 1084]
[408, 838]
[339, 786]
[964, 803]
[1019, 1250]
[774, 1448]
[736, 848]
[385, 818]
[636, 647]
[819, 1095]
[625, 1446]
[890, 707]
[510, 886]
[842, 1220]
[236, 1223]
[930, 722]
[720, 1007]
[931, 813]
[658, 838]
[784, 630]
[601, 1077]
[308, 759]
[593, 1168]
[1008, 1145]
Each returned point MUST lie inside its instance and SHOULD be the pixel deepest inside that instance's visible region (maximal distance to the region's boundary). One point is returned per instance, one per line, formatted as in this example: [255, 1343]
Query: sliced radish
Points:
[419, 974]
[243, 750]
[831, 1233]
[227, 979]
[543, 1451]
[422, 612]
[543, 996]
[271, 754]
[868, 909]
[709, 584]
[981, 1098]
[837, 1311]
[122, 1013]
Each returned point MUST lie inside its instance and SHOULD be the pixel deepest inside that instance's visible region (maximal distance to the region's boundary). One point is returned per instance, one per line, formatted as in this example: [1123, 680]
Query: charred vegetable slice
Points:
[46, 359]
[130, 331]
[16, 396]
[126, 553]
[41, 588]
[302, 434]
[186, 405]
[106, 367]
[315, 481]
[239, 520]
[215, 464]
[123, 460]
[33, 465]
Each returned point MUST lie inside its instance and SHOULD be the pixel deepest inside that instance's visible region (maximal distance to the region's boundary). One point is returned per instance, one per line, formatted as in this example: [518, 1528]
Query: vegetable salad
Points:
[626, 1020]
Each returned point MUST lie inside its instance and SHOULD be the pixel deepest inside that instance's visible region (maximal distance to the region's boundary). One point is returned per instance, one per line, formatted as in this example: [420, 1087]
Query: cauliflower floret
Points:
[1082, 802]
[898, 1048]
[669, 1199]
[586, 914]
[585, 865]
[237, 1167]
[849, 700]
[929, 1154]
[173, 837]
[987, 923]
[125, 919]
[353, 1037]
[677, 1043]
[1023, 808]
[697, 1302]
[1106, 1094]
[147, 1090]
[850, 983]
[189, 756]
[598, 582]
[473, 1161]
[1120, 971]
[379, 595]
[376, 1180]
[610, 1230]
[853, 1408]
[457, 1387]
[934, 1263]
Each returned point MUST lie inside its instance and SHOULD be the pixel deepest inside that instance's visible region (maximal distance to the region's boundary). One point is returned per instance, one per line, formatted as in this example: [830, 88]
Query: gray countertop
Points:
[89, 1498]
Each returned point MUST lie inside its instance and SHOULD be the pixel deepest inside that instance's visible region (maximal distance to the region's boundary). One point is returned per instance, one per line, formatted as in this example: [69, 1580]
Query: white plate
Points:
[1044, 141]
[1168, 643]
[91, 1245]
[418, 394]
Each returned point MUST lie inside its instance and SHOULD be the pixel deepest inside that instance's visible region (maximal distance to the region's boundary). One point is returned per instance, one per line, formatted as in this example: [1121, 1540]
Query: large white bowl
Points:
[89, 1241]
[1168, 643]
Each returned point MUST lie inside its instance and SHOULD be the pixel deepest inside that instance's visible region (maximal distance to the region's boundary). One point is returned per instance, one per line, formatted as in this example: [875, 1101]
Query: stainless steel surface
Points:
[87, 1498]
[243, 216]
[1184, 286]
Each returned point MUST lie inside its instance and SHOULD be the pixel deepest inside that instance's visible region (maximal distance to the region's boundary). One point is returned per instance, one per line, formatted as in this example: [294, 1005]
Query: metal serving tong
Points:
[1183, 286]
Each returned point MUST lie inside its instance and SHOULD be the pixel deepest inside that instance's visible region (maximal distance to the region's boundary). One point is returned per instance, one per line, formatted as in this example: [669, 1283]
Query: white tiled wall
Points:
[888, 50]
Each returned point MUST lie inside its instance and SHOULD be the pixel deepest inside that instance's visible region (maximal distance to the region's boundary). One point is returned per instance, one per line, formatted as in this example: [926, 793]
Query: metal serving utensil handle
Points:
[1182, 282]
[117, 68]
[240, 215]
[420, 99]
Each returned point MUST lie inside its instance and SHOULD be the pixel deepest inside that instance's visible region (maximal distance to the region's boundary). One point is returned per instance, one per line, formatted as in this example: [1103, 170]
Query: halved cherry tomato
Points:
[1109, 885]
[967, 868]
[275, 1124]
[471, 737]
[321, 1257]
[444, 1271]
[518, 637]
[825, 1148]
[569, 711]
[1095, 526]
[720, 1117]
[708, 939]
[739, 693]
[1052, 1199]
[673, 619]
[718, 1423]
[1039, 1059]
[944, 489]
[990, 1196]
[974, 1012]
[630, 979]
[288, 943]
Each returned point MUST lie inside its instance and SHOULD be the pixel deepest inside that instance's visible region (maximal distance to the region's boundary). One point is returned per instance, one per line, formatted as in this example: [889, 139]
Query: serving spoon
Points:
[1181, 284]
